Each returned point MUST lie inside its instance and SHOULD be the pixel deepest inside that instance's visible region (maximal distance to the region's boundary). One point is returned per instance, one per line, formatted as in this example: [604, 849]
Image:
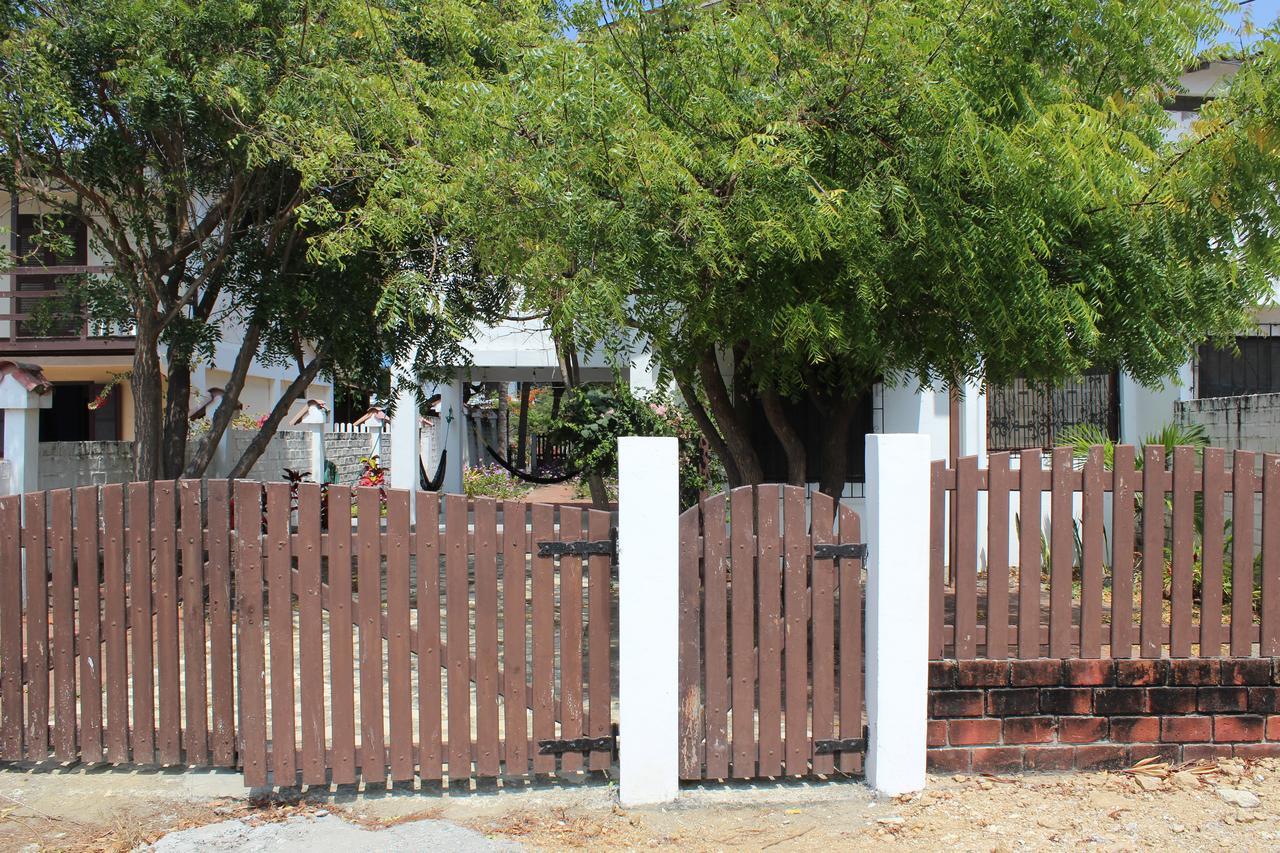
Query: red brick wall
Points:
[1049, 714]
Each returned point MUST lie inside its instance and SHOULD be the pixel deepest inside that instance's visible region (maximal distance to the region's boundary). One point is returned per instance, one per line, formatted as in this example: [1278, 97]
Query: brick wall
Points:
[1049, 714]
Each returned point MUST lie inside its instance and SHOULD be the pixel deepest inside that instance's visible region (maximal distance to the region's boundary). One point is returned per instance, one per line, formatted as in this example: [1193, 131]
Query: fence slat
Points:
[997, 646]
[399, 660]
[164, 543]
[742, 627]
[247, 560]
[311, 635]
[796, 547]
[1243, 484]
[140, 623]
[221, 663]
[34, 536]
[64, 625]
[1180, 636]
[373, 752]
[427, 558]
[543, 637]
[570, 638]
[1269, 632]
[342, 680]
[1093, 536]
[11, 718]
[715, 630]
[458, 632]
[515, 549]
[850, 640]
[1153, 478]
[1030, 482]
[115, 618]
[1122, 547]
[822, 512]
[1061, 555]
[599, 694]
[966, 551]
[690, 669]
[937, 557]
[769, 593]
[195, 685]
[89, 640]
[488, 754]
[284, 765]
[1213, 542]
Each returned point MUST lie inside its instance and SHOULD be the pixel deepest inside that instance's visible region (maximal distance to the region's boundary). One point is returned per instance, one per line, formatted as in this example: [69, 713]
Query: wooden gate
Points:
[770, 636]
[304, 634]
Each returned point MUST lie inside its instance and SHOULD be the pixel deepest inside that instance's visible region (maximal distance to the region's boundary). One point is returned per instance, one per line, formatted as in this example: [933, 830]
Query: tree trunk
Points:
[835, 447]
[226, 412]
[792, 443]
[599, 491]
[736, 437]
[256, 447]
[522, 433]
[176, 424]
[714, 440]
[145, 383]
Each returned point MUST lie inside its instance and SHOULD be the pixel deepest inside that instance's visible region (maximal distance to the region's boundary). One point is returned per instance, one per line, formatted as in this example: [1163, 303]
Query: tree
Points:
[220, 153]
[790, 200]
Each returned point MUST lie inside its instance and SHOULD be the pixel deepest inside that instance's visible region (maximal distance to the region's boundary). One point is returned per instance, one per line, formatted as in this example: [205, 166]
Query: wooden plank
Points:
[64, 625]
[599, 650]
[742, 625]
[195, 683]
[1243, 485]
[89, 639]
[1269, 637]
[34, 533]
[966, 556]
[427, 562]
[164, 542]
[1093, 540]
[1180, 585]
[544, 650]
[115, 619]
[458, 632]
[1030, 483]
[1122, 546]
[769, 594]
[488, 742]
[690, 665]
[1061, 555]
[221, 663]
[373, 752]
[1153, 488]
[796, 550]
[399, 659]
[823, 587]
[570, 638]
[11, 681]
[997, 645]
[937, 557]
[247, 561]
[311, 636]
[342, 680]
[284, 764]
[851, 657]
[515, 701]
[715, 630]
[1213, 544]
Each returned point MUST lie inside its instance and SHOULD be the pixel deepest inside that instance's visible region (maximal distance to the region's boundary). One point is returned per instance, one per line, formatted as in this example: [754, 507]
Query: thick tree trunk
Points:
[714, 440]
[146, 384]
[792, 443]
[259, 443]
[835, 446]
[176, 409]
[737, 439]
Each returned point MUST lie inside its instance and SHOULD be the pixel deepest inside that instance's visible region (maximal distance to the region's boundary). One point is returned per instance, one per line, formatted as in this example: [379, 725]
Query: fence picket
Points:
[1153, 489]
[89, 634]
[1180, 634]
[373, 752]
[714, 632]
[488, 754]
[1124, 478]
[284, 764]
[37, 666]
[457, 628]
[164, 544]
[769, 593]
[822, 510]
[1212, 545]
[570, 638]
[1061, 554]
[64, 625]
[247, 560]
[937, 558]
[796, 548]
[998, 478]
[515, 550]
[1269, 631]
[742, 626]
[311, 636]
[221, 663]
[966, 552]
[1243, 486]
[195, 684]
[1092, 537]
[342, 679]
[427, 559]
[850, 649]
[11, 719]
[599, 602]
[543, 637]
[115, 619]
[1030, 481]
[143, 698]
[690, 669]
[399, 662]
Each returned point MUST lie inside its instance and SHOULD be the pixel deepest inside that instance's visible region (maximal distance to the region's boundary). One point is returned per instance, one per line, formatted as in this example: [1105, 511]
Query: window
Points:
[1255, 370]
[1026, 415]
[30, 253]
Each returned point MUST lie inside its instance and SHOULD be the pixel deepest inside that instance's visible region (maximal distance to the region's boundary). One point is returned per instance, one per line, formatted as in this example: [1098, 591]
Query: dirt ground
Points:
[1156, 806]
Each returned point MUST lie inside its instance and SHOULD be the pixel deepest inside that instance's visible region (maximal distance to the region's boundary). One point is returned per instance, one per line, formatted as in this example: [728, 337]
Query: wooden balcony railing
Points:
[21, 329]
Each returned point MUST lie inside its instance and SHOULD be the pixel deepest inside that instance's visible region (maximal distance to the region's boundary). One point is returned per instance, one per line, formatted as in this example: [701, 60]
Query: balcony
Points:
[22, 333]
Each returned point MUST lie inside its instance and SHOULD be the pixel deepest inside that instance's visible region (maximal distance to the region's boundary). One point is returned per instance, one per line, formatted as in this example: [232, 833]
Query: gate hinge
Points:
[580, 744]
[838, 745]
[855, 550]
[580, 548]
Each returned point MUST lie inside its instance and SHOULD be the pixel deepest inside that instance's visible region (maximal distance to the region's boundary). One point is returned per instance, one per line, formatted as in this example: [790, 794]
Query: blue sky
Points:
[1262, 12]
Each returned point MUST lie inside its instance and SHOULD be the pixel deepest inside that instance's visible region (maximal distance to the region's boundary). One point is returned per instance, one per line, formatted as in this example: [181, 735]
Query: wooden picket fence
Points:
[771, 653]
[1139, 560]
[226, 624]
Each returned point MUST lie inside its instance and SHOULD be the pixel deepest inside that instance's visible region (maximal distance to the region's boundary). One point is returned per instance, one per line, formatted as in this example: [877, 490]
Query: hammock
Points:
[433, 484]
[528, 478]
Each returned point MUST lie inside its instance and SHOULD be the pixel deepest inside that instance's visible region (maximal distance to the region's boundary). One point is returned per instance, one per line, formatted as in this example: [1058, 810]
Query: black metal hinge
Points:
[581, 547]
[855, 550]
[838, 745]
[580, 744]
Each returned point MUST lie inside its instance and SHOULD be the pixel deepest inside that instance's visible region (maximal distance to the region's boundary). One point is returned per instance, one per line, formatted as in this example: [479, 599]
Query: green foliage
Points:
[1082, 437]
[491, 481]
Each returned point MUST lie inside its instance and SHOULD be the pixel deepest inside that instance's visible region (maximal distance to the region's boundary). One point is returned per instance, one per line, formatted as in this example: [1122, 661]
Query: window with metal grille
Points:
[1255, 369]
[1025, 414]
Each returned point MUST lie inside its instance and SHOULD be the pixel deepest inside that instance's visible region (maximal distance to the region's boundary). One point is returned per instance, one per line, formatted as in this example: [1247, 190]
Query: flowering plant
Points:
[493, 482]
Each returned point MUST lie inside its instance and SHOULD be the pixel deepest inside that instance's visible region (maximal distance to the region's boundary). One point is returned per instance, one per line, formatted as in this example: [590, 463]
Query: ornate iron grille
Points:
[1025, 414]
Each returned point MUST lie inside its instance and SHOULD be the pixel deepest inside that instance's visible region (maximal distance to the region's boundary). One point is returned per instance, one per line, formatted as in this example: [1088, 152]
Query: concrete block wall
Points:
[1250, 422]
[346, 449]
[83, 463]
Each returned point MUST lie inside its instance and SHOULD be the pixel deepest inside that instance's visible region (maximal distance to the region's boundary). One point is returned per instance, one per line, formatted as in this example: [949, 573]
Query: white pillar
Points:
[404, 440]
[648, 619]
[22, 427]
[453, 432]
[897, 621]
[314, 422]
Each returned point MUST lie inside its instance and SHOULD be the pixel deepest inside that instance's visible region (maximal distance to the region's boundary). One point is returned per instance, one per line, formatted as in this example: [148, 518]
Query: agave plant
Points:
[1081, 437]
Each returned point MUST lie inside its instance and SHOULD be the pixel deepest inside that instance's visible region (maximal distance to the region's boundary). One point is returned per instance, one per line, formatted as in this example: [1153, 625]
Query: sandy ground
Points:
[1156, 807]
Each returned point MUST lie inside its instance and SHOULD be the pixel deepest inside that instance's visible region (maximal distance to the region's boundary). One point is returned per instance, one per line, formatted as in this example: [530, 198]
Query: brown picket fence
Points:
[771, 654]
[1143, 557]
[303, 635]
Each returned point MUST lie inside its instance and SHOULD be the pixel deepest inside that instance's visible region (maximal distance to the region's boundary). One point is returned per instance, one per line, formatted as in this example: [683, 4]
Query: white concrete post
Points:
[22, 431]
[648, 619]
[897, 622]
[453, 427]
[314, 422]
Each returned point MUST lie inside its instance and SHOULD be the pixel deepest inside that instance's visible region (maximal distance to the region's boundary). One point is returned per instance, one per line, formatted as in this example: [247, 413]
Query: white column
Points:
[453, 433]
[404, 438]
[897, 626]
[314, 422]
[22, 429]
[648, 619]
